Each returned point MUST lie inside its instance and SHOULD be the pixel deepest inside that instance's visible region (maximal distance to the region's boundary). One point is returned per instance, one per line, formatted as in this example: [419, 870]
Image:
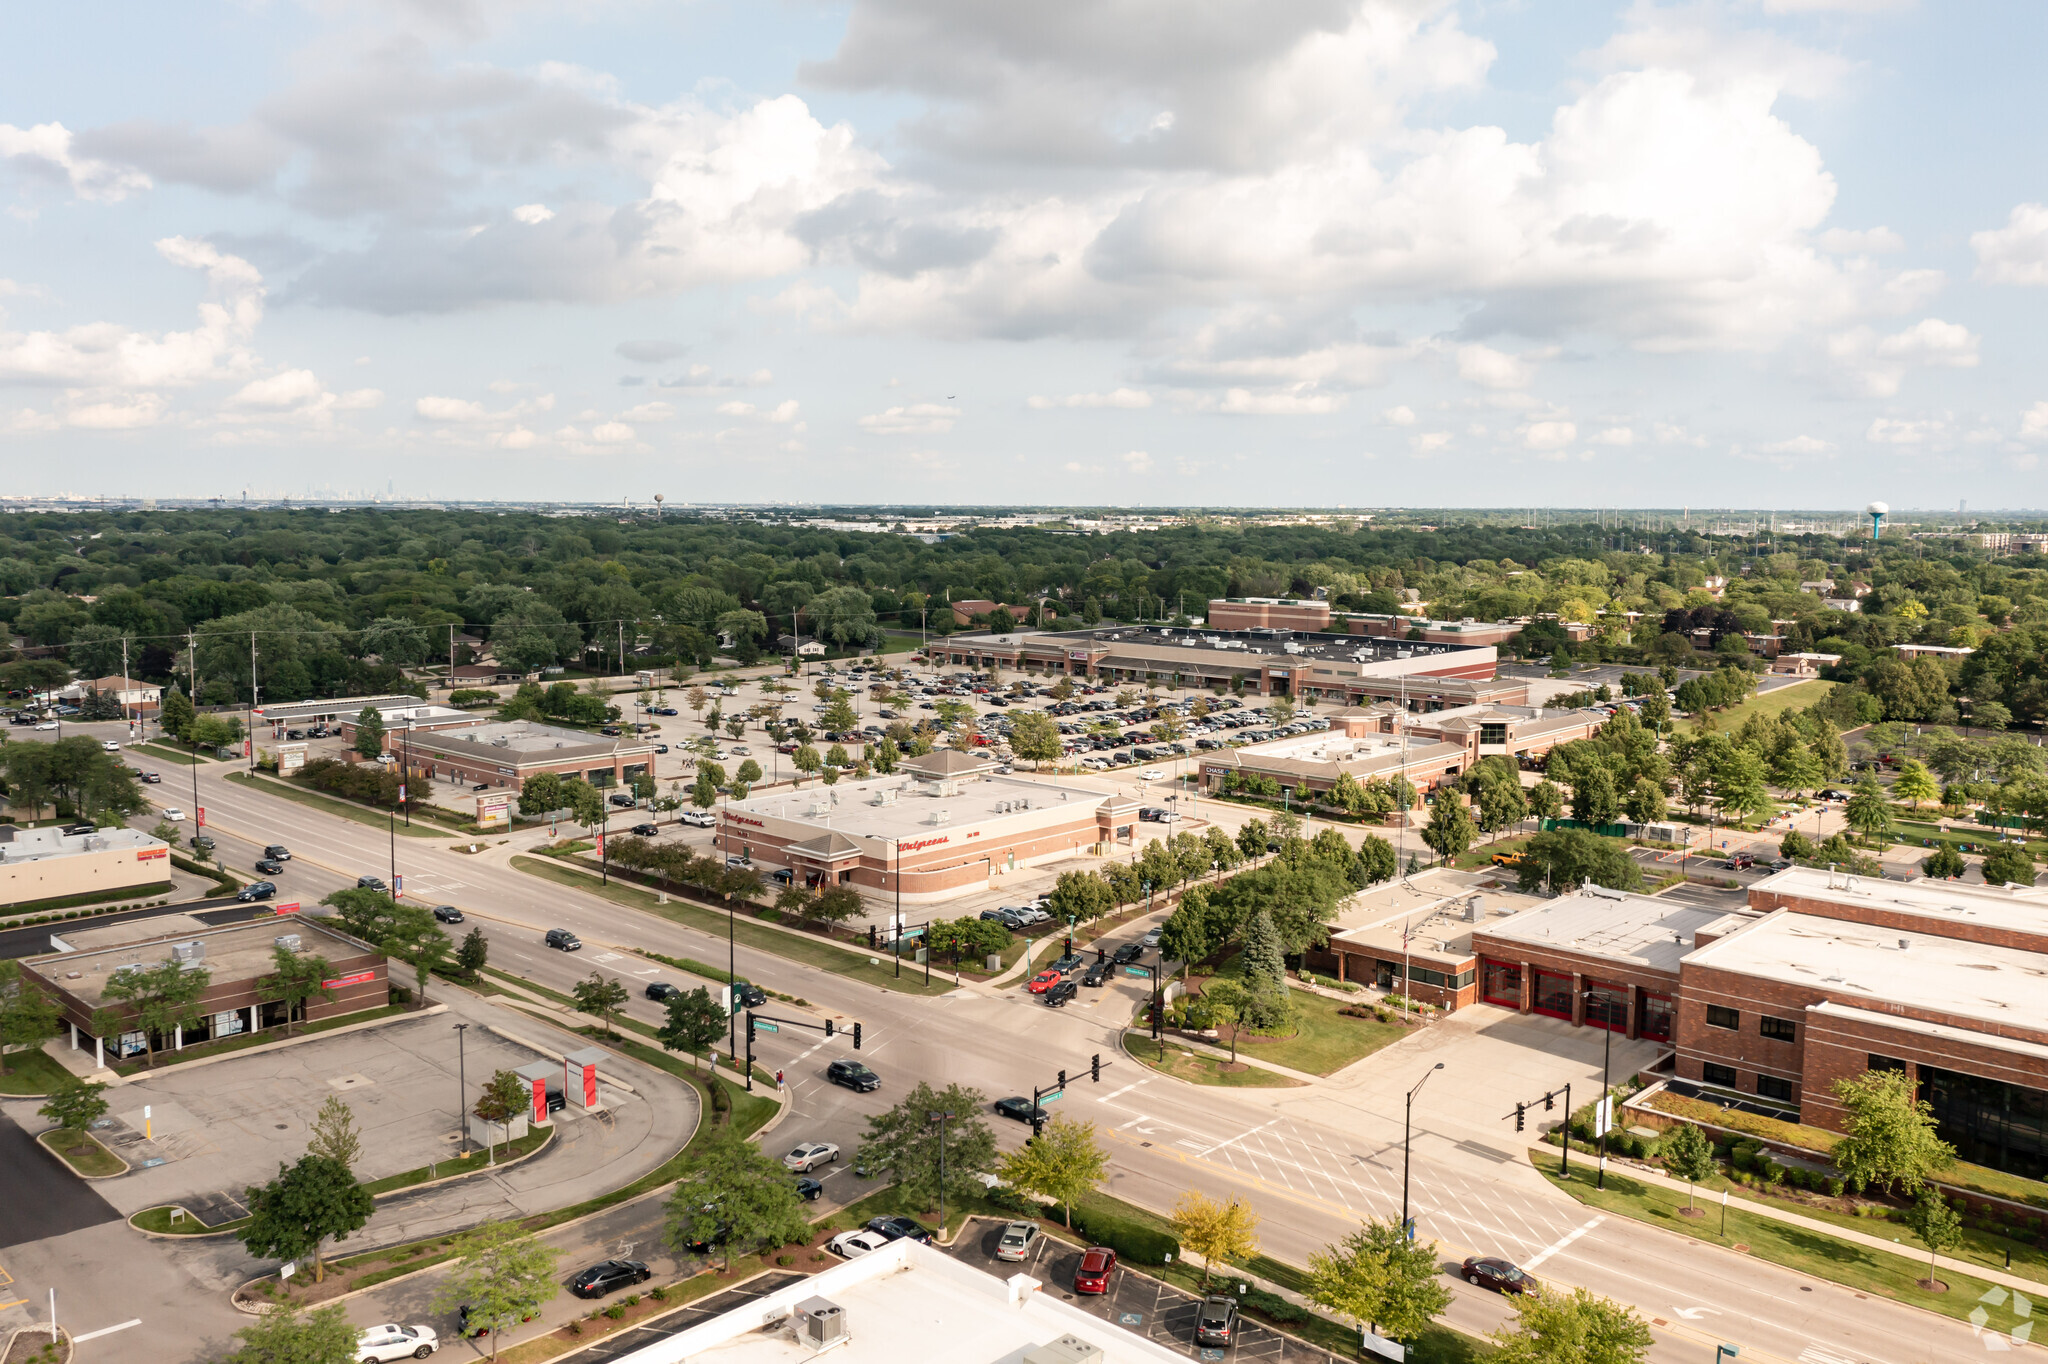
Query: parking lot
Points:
[1135, 1301]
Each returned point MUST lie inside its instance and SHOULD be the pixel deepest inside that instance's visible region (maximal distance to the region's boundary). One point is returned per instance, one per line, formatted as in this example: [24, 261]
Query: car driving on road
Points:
[854, 1076]
[1503, 1276]
[392, 1341]
[661, 992]
[562, 940]
[448, 914]
[1017, 1107]
[255, 890]
[269, 866]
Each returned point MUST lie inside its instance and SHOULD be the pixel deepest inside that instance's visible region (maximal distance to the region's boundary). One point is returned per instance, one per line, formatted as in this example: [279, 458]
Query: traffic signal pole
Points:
[754, 1020]
[1549, 1102]
[1096, 1065]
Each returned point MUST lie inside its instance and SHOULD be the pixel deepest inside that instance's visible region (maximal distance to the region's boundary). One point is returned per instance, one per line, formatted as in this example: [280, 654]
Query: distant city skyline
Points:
[1308, 252]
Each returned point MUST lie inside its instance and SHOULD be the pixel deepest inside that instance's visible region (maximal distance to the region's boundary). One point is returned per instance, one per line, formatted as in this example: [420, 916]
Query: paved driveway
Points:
[41, 1197]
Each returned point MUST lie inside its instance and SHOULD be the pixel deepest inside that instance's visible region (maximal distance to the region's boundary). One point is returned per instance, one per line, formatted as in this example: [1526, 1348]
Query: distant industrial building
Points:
[507, 752]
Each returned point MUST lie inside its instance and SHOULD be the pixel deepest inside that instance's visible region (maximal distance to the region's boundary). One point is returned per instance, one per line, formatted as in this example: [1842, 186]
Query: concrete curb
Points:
[125, 1166]
[70, 1349]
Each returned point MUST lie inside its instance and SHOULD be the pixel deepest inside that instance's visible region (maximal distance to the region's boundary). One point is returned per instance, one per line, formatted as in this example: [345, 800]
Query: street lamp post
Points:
[941, 1119]
[1407, 1128]
[461, 1089]
[1606, 1098]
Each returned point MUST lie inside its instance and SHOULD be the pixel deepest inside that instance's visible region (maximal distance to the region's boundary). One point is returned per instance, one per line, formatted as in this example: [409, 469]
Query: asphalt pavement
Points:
[42, 1199]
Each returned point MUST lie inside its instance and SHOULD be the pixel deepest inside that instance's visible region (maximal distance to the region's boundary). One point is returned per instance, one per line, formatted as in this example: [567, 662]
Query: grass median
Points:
[375, 819]
[32, 1073]
[1862, 1268]
[1197, 1067]
[83, 1153]
[795, 947]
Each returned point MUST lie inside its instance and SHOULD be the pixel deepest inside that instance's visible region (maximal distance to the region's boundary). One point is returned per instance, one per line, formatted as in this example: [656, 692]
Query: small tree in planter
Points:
[1689, 1156]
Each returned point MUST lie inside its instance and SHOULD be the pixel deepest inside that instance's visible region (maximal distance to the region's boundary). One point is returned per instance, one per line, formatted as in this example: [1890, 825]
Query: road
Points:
[1311, 1171]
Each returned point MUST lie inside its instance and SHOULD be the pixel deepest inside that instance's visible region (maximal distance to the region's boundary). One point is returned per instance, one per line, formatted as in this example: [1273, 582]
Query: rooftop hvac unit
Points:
[188, 951]
[1068, 1349]
[1475, 909]
[821, 1324]
[942, 816]
[290, 942]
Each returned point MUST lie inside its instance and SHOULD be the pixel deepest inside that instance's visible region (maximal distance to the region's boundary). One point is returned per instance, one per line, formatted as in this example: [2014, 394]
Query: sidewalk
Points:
[2031, 1287]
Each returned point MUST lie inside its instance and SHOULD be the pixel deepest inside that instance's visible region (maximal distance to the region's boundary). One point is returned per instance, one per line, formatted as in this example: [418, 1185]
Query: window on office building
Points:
[1715, 1074]
[1721, 1016]
[1876, 1062]
[1774, 1087]
[1777, 1029]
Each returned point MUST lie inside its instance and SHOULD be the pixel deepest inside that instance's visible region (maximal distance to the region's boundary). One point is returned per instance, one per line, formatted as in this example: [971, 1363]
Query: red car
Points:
[1098, 1267]
[1044, 981]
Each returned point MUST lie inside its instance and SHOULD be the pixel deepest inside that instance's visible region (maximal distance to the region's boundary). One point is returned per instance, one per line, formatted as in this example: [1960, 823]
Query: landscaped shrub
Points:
[1272, 1306]
[1130, 1241]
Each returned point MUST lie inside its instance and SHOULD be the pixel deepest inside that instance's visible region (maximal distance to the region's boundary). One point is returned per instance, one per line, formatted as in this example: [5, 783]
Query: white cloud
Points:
[1549, 435]
[1669, 434]
[107, 354]
[1137, 461]
[1904, 431]
[48, 147]
[915, 419]
[1428, 441]
[2016, 253]
[611, 433]
[1870, 242]
[1302, 401]
[2034, 422]
[533, 214]
[1398, 416]
[1490, 368]
[736, 409]
[648, 412]
[1799, 445]
[117, 412]
[1613, 435]
[438, 409]
[1128, 398]
[1876, 365]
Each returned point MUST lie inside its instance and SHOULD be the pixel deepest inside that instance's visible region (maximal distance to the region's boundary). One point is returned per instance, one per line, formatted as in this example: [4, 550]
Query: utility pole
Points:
[124, 688]
[250, 741]
[461, 1087]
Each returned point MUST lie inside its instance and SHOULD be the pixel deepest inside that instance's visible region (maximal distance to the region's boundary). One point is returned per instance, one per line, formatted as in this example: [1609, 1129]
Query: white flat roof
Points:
[2015, 908]
[1857, 963]
[1641, 930]
[906, 1302]
[40, 845]
[909, 806]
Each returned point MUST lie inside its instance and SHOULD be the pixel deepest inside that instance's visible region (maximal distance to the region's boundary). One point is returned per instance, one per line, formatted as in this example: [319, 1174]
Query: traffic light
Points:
[1063, 1081]
[1070, 944]
[1100, 956]
[871, 935]
[1095, 1067]
[1037, 1128]
[1519, 1110]
[856, 1037]
[1550, 1101]
[828, 1027]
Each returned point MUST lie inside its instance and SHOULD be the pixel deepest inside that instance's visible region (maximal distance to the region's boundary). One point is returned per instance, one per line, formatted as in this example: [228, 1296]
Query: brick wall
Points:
[1853, 910]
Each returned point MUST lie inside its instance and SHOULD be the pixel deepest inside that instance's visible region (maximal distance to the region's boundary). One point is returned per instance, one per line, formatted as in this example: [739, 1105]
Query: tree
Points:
[474, 953]
[369, 732]
[806, 759]
[531, 634]
[286, 1335]
[905, 1142]
[1230, 1007]
[1915, 784]
[838, 716]
[1279, 710]
[695, 1021]
[844, 616]
[836, 904]
[76, 1105]
[1868, 812]
[1740, 787]
[27, 1015]
[1890, 1139]
[967, 937]
[1796, 768]
[1645, 802]
[307, 1204]
[334, 1135]
[175, 711]
[1545, 800]
[1034, 735]
[1571, 1328]
[1221, 1233]
[1377, 860]
[737, 1195]
[1595, 803]
[1080, 896]
[1060, 1164]
[2009, 862]
[504, 1275]
[1572, 857]
[749, 773]
[540, 794]
[1688, 1155]
[1943, 864]
[1501, 805]
[1450, 829]
[1936, 1224]
[162, 998]
[584, 804]
[1377, 1275]
[601, 997]
[1264, 969]
[502, 1099]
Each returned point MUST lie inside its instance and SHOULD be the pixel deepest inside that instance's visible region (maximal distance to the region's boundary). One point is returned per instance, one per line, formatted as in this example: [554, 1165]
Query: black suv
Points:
[900, 1229]
[1097, 974]
[854, 1076]
[661, 992]
[278, 852]
[1059, 994]
[1216, 1320]
[599, 1280]
[1129, 952]
[563, 939]
[448, 914]
[370, 883]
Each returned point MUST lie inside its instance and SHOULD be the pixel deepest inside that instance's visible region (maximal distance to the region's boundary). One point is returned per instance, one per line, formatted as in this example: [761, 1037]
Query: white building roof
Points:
[1640, 930]
[2010, 908]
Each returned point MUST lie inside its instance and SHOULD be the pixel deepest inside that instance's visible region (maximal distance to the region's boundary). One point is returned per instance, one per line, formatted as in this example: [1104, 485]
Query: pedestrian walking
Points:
[778, 1079]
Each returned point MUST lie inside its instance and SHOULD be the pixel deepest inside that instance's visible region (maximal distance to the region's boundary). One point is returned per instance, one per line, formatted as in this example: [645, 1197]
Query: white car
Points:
[47, 724]
[810, 1155]
[701, 819]
[173, 813]
[392, 1341]
[109, 746]
[1151, 774]
[852, 1245]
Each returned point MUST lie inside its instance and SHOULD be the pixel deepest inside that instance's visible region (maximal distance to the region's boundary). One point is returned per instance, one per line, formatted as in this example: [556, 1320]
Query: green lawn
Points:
[32, 1072]
[796, 947]
[159, 1221]
[341, 808]
[83, 1153]
[180, 756]
[1825, 1257]
[1798, 696]
[1183, 1064]
[1480, 855]
[1325, 1041]
[534, 1139]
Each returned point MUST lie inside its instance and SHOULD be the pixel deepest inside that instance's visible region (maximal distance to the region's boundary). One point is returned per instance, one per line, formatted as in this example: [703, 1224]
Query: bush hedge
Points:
[1140, 1245]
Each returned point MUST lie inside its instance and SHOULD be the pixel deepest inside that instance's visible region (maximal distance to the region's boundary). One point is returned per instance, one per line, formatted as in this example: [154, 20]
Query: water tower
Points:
[1878, 511]
[657, 506]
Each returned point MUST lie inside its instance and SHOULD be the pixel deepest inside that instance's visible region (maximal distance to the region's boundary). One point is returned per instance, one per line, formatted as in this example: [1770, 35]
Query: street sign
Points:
[1136, 971]
[288, 907]
[761, 1025]
[1045, 1099]
[200, 821]
[1603, 1117]
[917, 932]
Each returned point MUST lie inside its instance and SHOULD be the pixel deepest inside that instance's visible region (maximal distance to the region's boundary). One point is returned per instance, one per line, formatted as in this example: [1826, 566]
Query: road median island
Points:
[83, 1153]
[341, 809]
[802, 948]
[1894, 1274]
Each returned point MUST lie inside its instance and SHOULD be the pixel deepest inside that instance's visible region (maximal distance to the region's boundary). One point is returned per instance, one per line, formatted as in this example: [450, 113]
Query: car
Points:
[749, 995]
[48, 724]
[852, 1245]
[1128, 952]
[601, 1279]
[661, 992]
[563, 940]
[900, 1229]
[1044, 981]
[392, 1341]
[109, 746]
[663, 710]
[661, 748]
[645, 830]
[854, 1075]
[1151, 774]
[809, 1190]
[1016, 1241]
[255, 890]
[1016, 1106]
[622, 800]
[1152, 937]
[1058, 995]
[1096, 1270]
[278, 852]
[699, 819]
[370, 883]
[448, 914]
[809, 1155]
[151, 779]
[611, 731]
[554, 1098]
[1066, 964]
[481, 786]
[1097, 974]
[269, 866]
[198, 841]
[173, 813]
[1503, 1276]
[1216, 1320]
[462, 1315]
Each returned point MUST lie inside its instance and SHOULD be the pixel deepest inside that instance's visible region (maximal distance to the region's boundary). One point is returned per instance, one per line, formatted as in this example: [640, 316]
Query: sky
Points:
[1760, 253]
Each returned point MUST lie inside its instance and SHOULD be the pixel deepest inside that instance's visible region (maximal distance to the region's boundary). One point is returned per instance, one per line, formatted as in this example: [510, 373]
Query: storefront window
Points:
[1606, 1006]
[1655, 1024]
[1501, 983]
[1989, 1122]
[1553, 994]
[229, 1022]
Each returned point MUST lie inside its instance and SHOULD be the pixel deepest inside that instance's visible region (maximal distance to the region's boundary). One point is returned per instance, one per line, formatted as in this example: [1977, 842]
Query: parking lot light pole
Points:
[941, 1119]
[1407, 1130]
[461, 1089]
[1606, 1097]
